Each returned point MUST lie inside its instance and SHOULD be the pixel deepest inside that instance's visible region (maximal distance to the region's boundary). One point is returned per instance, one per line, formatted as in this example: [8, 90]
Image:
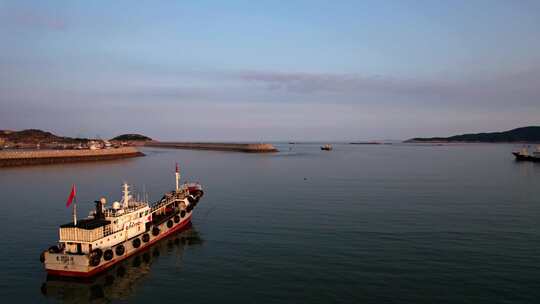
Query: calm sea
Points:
[360, 224]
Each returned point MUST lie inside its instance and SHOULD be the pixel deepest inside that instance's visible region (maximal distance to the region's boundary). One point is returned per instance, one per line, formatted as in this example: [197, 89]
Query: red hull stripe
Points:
[111, 263]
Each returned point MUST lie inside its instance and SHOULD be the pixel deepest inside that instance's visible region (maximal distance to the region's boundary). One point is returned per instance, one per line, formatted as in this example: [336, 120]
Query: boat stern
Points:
[66, 264]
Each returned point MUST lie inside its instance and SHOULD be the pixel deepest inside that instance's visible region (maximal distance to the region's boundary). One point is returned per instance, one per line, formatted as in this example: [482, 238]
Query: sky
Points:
[269, 70]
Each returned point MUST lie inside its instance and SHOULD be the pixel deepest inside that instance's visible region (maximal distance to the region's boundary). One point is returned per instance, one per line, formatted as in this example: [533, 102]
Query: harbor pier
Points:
[238, 147]
[10, 158]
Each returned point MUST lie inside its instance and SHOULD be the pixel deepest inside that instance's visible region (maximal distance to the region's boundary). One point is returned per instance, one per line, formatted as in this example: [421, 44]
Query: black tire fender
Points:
[94, 260]
[108, 255]
[120, 249]
[97, 253]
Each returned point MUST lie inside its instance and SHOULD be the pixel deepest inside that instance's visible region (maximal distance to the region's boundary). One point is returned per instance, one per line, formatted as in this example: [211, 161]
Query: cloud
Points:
[327, 82]
[520, 86]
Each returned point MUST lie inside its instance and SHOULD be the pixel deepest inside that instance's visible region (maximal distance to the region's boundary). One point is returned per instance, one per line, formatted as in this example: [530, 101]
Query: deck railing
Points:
[168, 199]
[133, 207]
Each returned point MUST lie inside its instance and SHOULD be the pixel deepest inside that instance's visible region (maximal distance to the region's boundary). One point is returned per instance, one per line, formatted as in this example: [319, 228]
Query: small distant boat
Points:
[327, 148]
[525, 155]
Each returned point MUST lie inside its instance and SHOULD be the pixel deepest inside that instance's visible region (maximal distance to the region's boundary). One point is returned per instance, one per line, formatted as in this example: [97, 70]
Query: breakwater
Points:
[9, 158]
[238, 147]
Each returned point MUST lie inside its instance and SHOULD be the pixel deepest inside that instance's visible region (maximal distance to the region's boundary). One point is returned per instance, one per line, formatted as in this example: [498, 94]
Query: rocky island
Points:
[530, 134]
[131, 137]
[131, 140]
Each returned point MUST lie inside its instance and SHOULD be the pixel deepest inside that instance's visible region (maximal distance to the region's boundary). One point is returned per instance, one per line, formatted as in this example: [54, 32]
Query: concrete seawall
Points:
[38, 157]
[250, 148]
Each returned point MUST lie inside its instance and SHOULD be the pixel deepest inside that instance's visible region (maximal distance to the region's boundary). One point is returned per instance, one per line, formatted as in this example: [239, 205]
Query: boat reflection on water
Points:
[121, 280]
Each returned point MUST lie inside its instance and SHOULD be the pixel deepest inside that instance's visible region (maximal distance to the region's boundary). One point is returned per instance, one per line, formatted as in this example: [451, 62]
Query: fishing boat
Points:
[327, 148]
[111, 234]
[125, 278]
[525, 155]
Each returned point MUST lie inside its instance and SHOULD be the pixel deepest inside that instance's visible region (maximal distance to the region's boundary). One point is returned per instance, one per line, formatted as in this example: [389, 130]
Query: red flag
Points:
[176, 167]
[71, 196]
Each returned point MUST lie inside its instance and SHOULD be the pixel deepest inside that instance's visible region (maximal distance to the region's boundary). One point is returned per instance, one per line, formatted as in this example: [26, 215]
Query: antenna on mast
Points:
[144, 193]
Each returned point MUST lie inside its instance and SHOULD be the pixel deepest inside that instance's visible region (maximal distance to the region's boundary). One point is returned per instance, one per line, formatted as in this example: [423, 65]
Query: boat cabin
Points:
[106, 227]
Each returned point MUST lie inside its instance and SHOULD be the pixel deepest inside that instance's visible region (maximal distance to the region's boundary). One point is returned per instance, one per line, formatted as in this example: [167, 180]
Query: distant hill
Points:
[525, 134]
[132, 137]
[36, 136]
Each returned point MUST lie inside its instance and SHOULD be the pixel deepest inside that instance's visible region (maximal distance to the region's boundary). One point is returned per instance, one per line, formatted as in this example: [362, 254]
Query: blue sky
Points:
[265, 70]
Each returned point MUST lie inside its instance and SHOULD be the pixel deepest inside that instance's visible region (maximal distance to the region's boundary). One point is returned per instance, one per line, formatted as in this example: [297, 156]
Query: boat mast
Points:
[75, 211]
[177, 176]
[126, 195]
